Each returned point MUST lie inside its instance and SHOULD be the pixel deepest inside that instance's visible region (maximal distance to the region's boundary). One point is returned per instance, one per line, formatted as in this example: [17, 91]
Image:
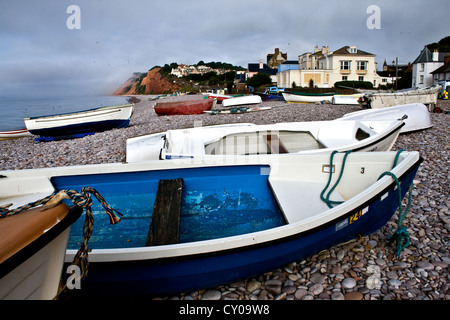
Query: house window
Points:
[345, 65]
[421, 80]
[361, 78]
[362, 65]
[344, 78]
[422, 66]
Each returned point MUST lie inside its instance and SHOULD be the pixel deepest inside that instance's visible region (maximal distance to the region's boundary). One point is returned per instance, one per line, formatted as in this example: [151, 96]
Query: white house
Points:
[423, 67]
[323, 68]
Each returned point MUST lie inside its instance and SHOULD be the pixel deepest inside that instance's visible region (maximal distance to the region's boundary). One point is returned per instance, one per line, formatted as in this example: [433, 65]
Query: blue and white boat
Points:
[95, 120]
[234, 217]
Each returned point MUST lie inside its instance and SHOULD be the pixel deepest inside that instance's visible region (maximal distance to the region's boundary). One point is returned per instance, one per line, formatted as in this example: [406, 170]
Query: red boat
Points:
[183, 107]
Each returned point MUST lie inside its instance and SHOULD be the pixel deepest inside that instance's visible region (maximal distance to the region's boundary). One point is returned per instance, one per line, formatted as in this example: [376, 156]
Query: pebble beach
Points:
[362, 269]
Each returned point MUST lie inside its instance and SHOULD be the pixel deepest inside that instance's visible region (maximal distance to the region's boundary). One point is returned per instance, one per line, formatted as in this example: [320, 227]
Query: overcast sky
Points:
[40, 55]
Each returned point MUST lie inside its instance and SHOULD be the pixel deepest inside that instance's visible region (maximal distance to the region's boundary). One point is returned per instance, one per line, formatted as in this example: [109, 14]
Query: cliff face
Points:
[151, 83]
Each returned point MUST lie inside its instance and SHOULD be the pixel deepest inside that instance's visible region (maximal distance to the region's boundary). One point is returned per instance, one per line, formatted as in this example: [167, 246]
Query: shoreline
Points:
[341, 272]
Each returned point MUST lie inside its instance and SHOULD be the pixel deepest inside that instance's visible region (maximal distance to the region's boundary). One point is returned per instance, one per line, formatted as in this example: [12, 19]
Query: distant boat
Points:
[33, 244]
[95, 120]
[346, 98]
[183, 107]
[291, 137]
[190, 225]
[376, 100]
[243, 100]
[303, 97]
[14, 134]
[221, 97]
[417, 116]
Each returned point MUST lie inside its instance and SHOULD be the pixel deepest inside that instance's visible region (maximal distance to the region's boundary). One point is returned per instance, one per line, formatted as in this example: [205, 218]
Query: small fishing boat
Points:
[427, 96]
[243, 100]
[346, 98]
[95, 120]
[191, 225]
[304, 97]
[183, 107]
[14, 134]
[415, 115]
[33, 244]
[288, 137]
[221, 97]
[243, 109]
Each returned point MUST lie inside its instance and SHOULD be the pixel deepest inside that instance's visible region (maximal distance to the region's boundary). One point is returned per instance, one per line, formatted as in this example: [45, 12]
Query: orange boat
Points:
[183, 107]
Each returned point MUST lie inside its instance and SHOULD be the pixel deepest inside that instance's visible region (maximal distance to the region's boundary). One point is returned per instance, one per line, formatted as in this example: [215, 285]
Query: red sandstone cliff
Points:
[152, 83]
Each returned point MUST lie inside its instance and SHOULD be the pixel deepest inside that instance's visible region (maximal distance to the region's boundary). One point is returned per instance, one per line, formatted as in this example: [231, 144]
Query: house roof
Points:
[445, 68]
[427, 56]
[359, 52]
[254, 67]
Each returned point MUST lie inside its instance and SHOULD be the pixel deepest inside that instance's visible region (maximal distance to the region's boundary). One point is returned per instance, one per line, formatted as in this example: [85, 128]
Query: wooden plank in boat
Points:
[275, 144]
[165, 223]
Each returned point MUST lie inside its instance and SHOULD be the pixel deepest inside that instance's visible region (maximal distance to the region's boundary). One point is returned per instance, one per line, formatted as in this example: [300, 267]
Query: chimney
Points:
[435, 55]
[261, 64]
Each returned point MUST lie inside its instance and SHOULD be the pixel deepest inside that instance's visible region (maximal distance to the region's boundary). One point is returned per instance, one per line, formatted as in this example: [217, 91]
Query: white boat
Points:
[242, 100]
[14, 134]
[33, 244]
[290, 137]
[302, 97]
[237, 219]
[100, 119]
[427, 96]
[346, 98]
[417, 116]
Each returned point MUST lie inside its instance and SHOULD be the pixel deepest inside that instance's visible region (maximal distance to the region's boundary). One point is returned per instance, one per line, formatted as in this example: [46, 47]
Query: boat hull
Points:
[194, 142]
[306, 98]
[427, 96]
[239, 101]
[14, 134]
[351, 99]
[186, 273]
[97, 120]
[417, 116]
[183, 107]
[34, 272]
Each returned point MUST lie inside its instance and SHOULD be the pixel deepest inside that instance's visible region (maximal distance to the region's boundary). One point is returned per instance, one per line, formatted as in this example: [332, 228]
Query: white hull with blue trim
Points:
[239, 216]
[100, 119]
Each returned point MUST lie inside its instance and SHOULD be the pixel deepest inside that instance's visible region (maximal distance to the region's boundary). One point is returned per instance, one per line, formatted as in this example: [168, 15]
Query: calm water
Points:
[13, 111]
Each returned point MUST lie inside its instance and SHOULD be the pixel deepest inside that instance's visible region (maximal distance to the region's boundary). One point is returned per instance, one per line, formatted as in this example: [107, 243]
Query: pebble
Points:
[365, 268]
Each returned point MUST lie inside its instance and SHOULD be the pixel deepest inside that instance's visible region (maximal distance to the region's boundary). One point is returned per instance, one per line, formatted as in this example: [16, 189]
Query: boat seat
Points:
[165, 222]
[295, 211]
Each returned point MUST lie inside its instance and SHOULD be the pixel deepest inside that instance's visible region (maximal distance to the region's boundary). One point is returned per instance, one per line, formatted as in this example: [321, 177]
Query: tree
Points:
[259, 79]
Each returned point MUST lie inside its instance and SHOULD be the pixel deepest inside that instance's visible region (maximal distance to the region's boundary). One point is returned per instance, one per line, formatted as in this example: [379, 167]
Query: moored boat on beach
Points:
[95, 120]
[33, 244]
[227, 220]
[288, 137]
[14, 134]
[346, 98]
[376, 100]
[415, 115]
[243, 100]
[183, 107]
[304, 97]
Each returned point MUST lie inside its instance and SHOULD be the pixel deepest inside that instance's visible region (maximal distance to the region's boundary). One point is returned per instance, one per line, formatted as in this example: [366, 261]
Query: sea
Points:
[14, 110]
